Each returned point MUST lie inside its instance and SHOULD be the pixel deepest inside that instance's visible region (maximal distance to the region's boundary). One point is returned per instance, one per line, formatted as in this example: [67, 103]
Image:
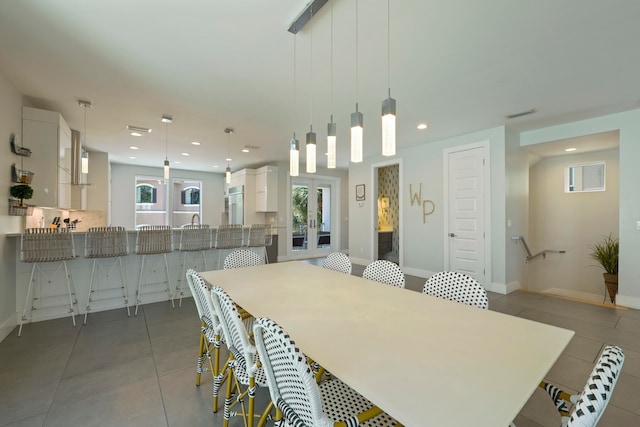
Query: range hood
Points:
[76, 159]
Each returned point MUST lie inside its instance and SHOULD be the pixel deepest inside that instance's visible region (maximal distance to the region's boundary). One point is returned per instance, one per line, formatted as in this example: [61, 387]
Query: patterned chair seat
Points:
[457, 287]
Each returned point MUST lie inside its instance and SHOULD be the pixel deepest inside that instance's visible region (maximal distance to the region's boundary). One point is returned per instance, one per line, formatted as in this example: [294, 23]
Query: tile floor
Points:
[139, 371]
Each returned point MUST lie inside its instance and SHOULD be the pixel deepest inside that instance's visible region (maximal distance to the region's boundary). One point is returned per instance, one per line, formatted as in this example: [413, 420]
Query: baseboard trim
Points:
[8, 326]
[502, 288]
[627, 301]
[418, 272]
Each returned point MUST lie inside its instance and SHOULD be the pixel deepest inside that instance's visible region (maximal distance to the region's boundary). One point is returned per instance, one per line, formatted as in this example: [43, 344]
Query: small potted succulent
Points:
[606, 253]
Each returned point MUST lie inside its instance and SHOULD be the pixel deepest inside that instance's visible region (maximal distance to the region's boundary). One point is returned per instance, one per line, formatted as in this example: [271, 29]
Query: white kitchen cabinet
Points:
[267, 189]
[49, 138]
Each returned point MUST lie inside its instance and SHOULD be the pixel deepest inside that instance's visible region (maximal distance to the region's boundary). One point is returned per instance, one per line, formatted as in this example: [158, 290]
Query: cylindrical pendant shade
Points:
[311, 152]
[294, 157]
[389, 127]
[356, 136]
[166, 169]
[331, 145]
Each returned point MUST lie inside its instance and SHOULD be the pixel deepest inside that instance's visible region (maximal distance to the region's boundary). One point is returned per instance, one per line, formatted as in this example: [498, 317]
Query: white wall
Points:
[424, 242]
[572, 222]
[517, 209]
[628, 123]
[123, 179]
[10, 122]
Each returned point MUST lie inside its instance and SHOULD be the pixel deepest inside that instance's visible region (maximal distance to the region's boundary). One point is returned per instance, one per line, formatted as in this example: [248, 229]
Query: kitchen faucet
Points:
[193, 219]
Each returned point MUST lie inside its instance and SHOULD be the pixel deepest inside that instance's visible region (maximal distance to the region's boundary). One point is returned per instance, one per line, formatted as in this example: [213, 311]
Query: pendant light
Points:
[294, 144]
[294, 156]
[311, 136]
[331, 127]
[166, 119]
[356, 118]
[227, 172]
[388, 107]
[84, 159]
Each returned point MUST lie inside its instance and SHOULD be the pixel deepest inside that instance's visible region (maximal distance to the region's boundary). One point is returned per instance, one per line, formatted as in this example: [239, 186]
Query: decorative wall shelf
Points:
[15, 209]
[21, 176]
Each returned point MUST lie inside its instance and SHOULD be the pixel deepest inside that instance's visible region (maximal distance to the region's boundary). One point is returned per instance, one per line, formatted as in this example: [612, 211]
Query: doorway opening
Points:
[387, 212]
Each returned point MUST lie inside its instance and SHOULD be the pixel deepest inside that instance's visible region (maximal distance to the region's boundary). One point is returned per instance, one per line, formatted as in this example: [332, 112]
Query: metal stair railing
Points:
[529, 256]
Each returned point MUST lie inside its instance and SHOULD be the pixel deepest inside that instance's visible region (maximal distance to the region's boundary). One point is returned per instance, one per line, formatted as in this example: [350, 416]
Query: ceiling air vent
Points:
[521, 113]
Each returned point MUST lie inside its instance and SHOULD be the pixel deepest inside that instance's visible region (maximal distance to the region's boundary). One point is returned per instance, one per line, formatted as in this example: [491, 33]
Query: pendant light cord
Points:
[356, 55]
[311, 76]
[331, 63]
[388, 48]
[166, 139]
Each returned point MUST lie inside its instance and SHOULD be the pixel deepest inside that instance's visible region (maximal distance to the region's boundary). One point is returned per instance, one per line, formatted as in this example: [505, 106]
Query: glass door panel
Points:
[311, 212]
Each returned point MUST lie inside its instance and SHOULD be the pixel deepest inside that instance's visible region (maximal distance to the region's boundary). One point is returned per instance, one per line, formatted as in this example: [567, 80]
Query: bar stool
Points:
[229, 236]
[101, 243]
[260, 237]
[41, 245]
[153, 240]
[193, 238]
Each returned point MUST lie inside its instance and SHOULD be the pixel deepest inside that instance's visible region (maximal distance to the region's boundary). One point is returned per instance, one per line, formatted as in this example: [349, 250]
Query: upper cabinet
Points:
[49, 137]
[267, 189]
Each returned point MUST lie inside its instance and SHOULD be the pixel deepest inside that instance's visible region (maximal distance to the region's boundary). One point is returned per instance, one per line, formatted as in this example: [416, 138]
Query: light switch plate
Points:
[637, 225]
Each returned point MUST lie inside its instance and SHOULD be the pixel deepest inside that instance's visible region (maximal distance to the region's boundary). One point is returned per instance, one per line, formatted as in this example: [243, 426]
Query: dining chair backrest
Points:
[229, 236]
[259, 235]
[106, 242]
[234, 330]
[385, 272]
[195, 237]
[337, 261]
[292, 385]
[154, 239]
[242, 258]
[46, 245]
[596, 394]
[457, 287]
[208, 313]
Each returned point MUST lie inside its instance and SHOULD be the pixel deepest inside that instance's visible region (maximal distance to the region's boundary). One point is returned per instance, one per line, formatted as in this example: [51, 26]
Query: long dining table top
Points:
[423, 360]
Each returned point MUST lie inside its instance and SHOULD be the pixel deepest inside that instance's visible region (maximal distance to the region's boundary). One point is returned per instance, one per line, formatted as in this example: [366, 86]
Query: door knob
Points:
[452, 234]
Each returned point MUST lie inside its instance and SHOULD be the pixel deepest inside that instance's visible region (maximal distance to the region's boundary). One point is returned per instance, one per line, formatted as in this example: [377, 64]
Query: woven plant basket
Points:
[611, 282]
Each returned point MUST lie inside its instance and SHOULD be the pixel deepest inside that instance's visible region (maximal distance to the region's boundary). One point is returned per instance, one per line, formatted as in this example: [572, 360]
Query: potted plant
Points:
[606, 253]
[22, 191]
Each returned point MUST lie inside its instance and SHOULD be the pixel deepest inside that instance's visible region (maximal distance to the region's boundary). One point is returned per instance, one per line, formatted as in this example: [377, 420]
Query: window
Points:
[190, 196]
[187, 206]
[146, 193]
[584, 177]
[151, 201]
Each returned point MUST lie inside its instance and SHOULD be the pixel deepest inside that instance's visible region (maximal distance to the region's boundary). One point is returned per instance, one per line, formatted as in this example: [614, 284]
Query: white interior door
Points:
[313, 232]
[465, 228]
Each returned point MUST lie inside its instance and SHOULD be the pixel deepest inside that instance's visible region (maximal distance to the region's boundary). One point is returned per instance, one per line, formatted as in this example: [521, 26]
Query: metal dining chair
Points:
[337, 261]
[245, 373]
[210, 334]
[194, 238]
[457, 287]
[153, 240]
[384, 271]
[228, 237]
[101, 243]
[589, 405]
[260, 237]
[242, 258]
[297, 395]
[45, 245]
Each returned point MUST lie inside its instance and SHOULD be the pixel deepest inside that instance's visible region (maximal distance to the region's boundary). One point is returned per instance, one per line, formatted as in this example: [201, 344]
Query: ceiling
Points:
[459, 65]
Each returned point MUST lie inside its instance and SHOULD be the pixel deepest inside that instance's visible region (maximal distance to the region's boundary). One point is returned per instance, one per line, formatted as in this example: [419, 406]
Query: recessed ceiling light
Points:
[133, 147]
[216, 166]
[195, 143]
[132, 157]
[422, 126]
[166, 119]
[177, 163]
[245, 150]
[570, 149]
[228, 159]
[185, 154]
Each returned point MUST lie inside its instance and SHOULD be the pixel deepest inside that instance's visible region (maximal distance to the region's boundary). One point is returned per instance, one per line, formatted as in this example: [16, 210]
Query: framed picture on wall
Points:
[360, 193]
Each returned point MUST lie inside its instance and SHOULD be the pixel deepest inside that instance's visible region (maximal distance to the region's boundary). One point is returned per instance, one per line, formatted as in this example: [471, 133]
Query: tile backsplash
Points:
[86, 219]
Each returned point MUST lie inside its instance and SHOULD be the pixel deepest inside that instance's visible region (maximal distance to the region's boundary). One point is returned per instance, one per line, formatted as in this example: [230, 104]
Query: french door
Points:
[312, 230]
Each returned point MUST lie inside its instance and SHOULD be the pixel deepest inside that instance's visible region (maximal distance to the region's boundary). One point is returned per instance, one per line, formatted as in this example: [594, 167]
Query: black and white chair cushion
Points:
[456, 287]
[385, 272]
[337, 261]
[242, 258]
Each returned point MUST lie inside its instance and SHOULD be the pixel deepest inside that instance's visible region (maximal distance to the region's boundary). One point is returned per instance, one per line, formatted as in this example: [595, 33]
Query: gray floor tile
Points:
[140, 370]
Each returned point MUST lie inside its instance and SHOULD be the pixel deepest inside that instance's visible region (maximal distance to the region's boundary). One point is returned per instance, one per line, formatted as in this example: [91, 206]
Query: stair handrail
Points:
[529, 256]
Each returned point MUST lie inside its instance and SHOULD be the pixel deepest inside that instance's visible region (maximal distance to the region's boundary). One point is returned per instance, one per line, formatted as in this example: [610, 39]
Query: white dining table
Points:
[423, 360]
